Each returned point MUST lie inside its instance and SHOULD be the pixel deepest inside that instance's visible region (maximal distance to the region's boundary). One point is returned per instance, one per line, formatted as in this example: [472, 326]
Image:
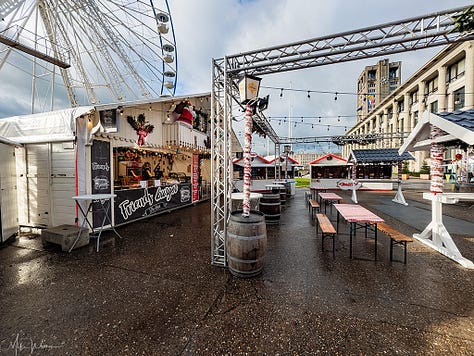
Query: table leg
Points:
[337, 222]
[375, 232]
[350, 239]
[105, 207]
[84, 221]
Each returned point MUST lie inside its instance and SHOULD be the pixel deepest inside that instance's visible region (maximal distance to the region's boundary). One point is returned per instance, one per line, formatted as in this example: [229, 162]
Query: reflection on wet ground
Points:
[156, 292]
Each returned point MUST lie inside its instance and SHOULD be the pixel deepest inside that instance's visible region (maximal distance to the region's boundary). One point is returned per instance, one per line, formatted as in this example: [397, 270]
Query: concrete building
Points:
[445, 83]
[375, 83]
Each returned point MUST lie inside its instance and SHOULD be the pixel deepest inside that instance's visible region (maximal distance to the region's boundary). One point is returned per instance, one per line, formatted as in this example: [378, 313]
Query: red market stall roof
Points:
[458, 127]
[272, 158]
[329, 160]
[257, 161]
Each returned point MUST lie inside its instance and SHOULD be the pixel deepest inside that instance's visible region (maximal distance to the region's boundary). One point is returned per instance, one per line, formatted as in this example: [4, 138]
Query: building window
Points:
[455, 71]
[431, 86]
[415, 118]
[459, 99]
[401, 106]
[413, 97]
[371, 74]
[392, 73]
[434, 107]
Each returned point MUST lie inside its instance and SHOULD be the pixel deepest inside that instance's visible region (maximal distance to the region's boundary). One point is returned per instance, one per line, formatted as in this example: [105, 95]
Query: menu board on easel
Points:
[100, 177]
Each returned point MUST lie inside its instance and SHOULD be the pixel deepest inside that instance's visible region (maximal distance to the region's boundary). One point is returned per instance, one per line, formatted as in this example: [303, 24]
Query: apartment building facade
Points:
[375, 83]
[445, 83]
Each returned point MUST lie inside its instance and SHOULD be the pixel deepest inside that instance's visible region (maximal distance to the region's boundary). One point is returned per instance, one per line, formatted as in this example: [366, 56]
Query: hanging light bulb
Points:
[319, 119]
[328, 127]
[338, 118]
[335, 98]
[309, 96]
[281, 92]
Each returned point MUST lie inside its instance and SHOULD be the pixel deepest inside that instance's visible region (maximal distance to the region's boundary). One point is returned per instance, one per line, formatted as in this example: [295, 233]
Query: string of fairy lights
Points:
[321, 121]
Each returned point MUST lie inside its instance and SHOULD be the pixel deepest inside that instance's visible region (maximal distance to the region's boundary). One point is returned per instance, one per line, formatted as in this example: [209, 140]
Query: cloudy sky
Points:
[213, 29]
[209, 29]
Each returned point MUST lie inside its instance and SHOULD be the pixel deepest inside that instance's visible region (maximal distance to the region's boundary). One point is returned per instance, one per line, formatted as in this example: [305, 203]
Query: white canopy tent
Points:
[53, 126]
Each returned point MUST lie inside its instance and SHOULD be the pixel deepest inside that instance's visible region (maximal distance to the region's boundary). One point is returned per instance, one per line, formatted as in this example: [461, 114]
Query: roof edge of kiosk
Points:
[52, 126]
[458, 125]
[377, 155]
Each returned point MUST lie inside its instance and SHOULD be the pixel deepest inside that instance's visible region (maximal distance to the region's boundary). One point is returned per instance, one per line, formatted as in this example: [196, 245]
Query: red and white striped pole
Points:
[436, 158]
[247, 160]
[464, 173]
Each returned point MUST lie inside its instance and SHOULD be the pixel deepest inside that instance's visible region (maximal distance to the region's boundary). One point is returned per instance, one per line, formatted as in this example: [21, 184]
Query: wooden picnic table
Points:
[358, 217]
[315, 188]
[329, 198]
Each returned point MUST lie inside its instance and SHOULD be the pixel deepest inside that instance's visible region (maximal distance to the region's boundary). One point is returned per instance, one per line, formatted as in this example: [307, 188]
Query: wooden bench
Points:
[327, 230]
[313, 205]
[396, 238]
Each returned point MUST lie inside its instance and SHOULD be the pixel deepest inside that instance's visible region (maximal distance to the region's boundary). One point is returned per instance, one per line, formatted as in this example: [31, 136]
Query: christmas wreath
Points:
[141, 127]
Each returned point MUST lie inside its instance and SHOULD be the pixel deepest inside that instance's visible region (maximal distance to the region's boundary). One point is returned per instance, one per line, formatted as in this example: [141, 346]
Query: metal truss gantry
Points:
[426, 31]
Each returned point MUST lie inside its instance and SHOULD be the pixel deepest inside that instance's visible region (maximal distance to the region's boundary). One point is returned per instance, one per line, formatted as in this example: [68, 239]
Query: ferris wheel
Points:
[90, 51]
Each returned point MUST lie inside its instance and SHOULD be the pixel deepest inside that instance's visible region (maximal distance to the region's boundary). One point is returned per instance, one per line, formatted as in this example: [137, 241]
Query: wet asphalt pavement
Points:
[155, 292]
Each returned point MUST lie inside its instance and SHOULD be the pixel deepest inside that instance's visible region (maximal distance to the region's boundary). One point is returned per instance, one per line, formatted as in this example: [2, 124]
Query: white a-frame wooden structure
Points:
[433, 132]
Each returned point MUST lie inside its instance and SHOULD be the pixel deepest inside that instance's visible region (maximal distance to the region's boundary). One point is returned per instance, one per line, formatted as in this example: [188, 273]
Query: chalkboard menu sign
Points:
[100, 177]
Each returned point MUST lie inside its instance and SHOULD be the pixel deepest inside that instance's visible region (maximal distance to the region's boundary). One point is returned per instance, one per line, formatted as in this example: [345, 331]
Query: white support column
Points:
[385, 126]
[469, 74]
[442, 90]
[395, 124]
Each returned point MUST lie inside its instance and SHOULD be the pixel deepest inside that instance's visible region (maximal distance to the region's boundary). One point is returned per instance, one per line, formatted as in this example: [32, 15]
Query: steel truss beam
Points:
[394, 37]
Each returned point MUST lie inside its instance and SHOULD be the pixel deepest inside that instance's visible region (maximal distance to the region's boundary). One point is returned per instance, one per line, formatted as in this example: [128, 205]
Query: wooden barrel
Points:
[246, 243]
[287, 185]
[270, 206]
[283, 196]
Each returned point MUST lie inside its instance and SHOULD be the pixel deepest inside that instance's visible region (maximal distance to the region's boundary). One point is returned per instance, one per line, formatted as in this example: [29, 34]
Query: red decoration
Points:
[142, 127]
[184, 113]
[458, 156]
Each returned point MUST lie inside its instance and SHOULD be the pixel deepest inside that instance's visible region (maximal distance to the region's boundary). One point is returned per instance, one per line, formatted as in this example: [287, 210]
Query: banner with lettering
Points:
[134, 204]
[195, 177]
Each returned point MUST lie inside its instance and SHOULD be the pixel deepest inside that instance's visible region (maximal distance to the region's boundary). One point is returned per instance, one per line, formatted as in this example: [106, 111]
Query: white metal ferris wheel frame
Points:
[430, 30]
[123, 69]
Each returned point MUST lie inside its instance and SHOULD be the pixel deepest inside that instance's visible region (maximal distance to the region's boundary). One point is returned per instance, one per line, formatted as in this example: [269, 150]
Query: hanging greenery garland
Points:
[141, 127]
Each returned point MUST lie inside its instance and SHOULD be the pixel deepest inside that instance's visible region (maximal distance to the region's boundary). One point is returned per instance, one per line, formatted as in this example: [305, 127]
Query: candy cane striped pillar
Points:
[436, 158]
[247, 161]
